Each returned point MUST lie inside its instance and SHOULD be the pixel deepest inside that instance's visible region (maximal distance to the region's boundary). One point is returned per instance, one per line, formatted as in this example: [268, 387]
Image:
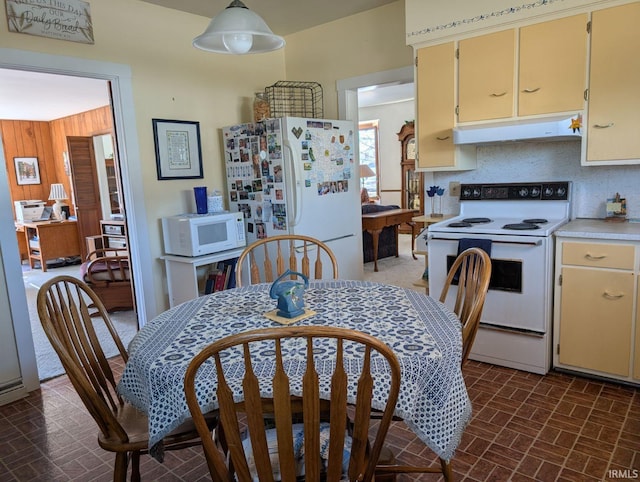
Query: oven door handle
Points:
[524, 243]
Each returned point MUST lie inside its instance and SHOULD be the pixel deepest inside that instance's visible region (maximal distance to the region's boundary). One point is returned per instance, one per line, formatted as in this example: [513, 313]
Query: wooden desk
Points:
[374, 223]
[50, 240]
[22, 243]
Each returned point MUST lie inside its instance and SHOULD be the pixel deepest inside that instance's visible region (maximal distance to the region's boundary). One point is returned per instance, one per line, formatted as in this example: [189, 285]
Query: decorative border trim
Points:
[483, 16]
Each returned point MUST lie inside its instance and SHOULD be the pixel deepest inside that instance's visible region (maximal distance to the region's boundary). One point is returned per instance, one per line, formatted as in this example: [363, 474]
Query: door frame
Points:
[120, 78]
[18, 310]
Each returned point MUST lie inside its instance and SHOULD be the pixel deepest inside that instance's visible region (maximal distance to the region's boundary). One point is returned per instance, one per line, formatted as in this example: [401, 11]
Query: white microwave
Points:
[200, 234]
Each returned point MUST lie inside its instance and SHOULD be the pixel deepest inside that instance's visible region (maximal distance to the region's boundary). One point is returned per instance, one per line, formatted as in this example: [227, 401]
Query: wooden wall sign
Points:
[57, 19]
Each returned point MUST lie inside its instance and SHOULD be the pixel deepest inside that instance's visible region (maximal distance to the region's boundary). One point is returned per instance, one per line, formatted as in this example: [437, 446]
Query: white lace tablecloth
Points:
[422, 332]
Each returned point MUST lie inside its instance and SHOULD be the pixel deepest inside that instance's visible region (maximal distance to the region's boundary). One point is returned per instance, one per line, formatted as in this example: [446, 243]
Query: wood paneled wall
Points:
[47, 141]
[29, 139]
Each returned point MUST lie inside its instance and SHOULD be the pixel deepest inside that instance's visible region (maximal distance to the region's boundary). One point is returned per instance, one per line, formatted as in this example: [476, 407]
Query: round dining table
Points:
[423, 333]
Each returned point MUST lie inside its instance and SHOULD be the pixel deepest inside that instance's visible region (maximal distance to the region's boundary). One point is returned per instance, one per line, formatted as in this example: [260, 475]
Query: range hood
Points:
[540, 129]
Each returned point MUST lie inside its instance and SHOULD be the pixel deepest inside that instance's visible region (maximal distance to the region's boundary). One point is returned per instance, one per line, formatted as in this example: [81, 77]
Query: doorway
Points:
[120, 79]
[81, 161]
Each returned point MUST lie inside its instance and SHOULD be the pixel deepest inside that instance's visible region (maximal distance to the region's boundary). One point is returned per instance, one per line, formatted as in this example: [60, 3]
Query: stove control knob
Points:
[548, 191]
[561, 191]
[523, 192]
[535, 192]
[476, 192]
[466, 193]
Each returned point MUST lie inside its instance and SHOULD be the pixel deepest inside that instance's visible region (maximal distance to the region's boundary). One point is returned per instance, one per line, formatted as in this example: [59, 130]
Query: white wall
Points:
[391, 118]
[372, 41]
[552, 161]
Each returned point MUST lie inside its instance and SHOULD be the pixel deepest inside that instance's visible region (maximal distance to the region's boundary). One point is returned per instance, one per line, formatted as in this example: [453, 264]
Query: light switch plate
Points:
[454, 188]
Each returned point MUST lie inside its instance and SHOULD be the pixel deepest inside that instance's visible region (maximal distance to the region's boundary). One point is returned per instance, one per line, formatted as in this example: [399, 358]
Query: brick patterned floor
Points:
[525, 427]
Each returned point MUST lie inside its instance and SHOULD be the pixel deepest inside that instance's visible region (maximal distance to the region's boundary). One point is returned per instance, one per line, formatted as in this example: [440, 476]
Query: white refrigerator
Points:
[298, 176]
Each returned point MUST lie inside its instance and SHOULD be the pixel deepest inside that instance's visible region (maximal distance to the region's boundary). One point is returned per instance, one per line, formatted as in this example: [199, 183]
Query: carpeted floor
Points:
[401, 271]
[49, 366]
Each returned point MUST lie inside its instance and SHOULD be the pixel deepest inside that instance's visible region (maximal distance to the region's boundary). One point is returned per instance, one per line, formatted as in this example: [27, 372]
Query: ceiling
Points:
[44, 97]
[284, 17]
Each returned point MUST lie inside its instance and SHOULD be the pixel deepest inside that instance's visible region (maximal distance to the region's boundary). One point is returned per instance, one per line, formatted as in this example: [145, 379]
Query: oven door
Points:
[520, 292]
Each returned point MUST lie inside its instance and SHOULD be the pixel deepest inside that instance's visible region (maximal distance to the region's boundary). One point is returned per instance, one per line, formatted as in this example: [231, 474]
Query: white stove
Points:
[515, 222]
[524, 209]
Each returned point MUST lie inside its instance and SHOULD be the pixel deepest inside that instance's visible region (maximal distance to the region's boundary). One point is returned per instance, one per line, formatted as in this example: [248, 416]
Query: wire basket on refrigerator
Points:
[296, 99]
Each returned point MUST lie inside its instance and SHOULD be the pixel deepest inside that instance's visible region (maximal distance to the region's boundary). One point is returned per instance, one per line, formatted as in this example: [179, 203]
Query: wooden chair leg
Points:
[120, 467]
[135, 466]
[447, 471]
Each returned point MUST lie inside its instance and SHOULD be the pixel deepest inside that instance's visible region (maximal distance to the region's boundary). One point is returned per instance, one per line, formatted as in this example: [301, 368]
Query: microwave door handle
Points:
[294, 205]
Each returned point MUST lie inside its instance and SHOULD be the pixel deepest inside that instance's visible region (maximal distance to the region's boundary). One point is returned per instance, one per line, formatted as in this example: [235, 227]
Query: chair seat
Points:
[136, 425]
[298, 448]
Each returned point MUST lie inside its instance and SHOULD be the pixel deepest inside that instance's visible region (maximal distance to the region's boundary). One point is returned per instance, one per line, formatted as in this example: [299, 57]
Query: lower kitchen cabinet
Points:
[596, 317]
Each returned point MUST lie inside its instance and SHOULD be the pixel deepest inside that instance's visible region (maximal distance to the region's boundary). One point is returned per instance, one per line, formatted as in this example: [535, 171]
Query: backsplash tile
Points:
[549, 161]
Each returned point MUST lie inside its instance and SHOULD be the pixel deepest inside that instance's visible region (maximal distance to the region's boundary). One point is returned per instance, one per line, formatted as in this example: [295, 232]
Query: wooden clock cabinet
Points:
[412, 181]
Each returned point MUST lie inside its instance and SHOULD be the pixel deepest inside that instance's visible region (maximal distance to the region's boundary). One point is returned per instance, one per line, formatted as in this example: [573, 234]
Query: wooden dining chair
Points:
[69, 312]
[259, 452]
[268, 258]
[472, 272]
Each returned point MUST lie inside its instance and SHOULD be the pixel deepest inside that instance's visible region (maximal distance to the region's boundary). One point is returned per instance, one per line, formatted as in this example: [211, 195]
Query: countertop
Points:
[600, 229]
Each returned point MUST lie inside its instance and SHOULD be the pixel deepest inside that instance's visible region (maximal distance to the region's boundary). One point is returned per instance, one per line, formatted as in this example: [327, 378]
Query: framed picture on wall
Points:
[178, 151]
[27, 170]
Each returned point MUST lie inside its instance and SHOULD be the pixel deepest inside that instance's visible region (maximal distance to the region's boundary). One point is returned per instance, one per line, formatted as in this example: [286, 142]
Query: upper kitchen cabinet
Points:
[614, 80]
[435, 81]
[551, 57]
[486, 76]
[552, 66]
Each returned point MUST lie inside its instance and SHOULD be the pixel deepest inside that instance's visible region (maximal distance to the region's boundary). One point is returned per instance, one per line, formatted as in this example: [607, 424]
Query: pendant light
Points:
[237, 30]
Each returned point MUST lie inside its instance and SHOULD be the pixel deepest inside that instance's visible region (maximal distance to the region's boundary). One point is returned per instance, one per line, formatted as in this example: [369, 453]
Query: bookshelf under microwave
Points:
[187, 277]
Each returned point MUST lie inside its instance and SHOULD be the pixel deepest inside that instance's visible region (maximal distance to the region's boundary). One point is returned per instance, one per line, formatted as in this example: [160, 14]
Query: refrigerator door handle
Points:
[294, 201]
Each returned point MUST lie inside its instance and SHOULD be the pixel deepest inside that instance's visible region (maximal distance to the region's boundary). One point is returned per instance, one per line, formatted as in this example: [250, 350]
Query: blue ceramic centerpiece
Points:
[290, 294]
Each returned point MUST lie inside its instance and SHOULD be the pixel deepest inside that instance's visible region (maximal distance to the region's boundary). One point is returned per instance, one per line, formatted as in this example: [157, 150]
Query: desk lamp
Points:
[58, 194]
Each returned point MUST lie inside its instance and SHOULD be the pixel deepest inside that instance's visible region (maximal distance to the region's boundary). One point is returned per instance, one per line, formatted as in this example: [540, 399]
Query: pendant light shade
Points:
[237, 30]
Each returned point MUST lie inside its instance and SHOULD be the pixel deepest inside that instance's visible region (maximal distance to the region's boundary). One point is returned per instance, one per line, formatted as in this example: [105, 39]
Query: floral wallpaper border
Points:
[484, 16]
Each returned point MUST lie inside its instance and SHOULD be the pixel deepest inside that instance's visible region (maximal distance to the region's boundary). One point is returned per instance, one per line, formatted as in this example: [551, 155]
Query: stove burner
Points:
[468, 222]
[476, 220]
[521, 226]
[535, 221]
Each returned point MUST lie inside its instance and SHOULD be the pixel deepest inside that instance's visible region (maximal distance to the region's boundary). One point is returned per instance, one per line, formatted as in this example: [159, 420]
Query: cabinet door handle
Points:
[594, 258]
[499, 95]
[603, 126]
[530, 91]
[442, 138]
[611, 296]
